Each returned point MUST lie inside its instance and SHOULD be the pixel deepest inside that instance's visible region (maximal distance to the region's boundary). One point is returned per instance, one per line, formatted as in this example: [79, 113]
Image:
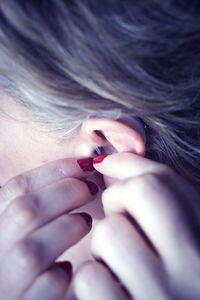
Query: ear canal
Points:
[107, 148]
[114, 136]
[100, 134]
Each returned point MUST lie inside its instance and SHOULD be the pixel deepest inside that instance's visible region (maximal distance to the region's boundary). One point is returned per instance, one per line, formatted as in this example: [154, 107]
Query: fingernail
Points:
[92, 187]
[66, 266]
[86, 164]
[87, 218]
[99, 159]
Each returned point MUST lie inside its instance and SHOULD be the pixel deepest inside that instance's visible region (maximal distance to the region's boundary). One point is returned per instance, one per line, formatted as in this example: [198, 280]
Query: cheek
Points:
[45, 161]
[15, 161]
[13, 165]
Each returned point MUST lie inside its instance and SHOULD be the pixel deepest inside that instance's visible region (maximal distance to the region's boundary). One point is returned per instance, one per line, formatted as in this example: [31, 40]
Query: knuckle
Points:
[24, 209]
[18, 185]
[146, 182]
[160, 177]
[142, 185]
[149, 179]
[29, 255]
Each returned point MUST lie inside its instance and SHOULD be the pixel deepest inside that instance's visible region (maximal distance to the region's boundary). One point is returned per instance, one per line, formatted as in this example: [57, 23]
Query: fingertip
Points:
[86, 164]
[99, 159]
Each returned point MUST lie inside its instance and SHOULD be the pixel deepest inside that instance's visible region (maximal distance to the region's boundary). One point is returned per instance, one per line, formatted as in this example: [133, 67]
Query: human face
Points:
[24, 147]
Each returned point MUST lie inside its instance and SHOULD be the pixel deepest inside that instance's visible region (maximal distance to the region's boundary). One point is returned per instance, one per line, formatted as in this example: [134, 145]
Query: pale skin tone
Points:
[42, 183]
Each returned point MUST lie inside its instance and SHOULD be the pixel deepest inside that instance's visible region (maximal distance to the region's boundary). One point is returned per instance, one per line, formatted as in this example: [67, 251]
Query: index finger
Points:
[34, 179]
[123, 165]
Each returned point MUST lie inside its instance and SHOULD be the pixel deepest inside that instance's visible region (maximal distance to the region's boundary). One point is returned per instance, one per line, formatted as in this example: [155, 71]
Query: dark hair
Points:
[69, 60]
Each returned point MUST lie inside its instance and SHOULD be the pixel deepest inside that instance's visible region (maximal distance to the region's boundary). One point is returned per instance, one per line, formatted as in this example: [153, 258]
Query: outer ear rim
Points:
[132, 136]
[134, 123]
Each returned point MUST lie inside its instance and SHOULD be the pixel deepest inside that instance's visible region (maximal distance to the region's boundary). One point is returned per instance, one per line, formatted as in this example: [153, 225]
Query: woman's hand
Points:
[147, 247]
[35, 228]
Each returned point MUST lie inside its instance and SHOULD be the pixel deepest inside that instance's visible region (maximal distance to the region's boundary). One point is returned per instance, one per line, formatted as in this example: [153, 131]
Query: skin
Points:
[42, 184]
[166, 208]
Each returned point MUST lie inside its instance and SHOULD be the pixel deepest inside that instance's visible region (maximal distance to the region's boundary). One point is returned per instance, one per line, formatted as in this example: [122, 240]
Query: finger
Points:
[29, 212]
[127, 255]
[124, 165]
[52, 284]
[38, 252]
[34, 179]
[94, 281]
[153, 204]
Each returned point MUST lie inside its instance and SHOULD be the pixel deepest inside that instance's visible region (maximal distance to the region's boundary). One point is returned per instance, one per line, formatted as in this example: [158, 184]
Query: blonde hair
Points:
[67, 61]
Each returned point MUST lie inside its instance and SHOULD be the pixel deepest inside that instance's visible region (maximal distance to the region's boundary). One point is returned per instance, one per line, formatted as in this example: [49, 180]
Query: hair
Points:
[65, 61]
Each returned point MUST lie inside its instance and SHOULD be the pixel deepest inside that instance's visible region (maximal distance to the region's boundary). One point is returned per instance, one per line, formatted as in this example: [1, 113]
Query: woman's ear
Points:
[123, 134]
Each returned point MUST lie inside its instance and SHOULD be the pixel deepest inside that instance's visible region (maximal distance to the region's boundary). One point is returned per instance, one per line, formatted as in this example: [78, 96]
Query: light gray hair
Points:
[67, 61]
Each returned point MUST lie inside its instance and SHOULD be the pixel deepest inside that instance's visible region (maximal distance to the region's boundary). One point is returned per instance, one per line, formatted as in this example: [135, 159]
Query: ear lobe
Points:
[122, 136]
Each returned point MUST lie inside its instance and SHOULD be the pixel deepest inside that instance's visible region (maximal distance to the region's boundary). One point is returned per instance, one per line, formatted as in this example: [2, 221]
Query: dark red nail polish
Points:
[86, 164]
[99, 159]
[66, 266]
[92, 187]
[87, 218]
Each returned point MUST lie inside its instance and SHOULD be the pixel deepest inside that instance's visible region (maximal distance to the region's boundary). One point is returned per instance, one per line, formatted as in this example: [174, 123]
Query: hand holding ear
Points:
[147, 247]
[37, 225]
